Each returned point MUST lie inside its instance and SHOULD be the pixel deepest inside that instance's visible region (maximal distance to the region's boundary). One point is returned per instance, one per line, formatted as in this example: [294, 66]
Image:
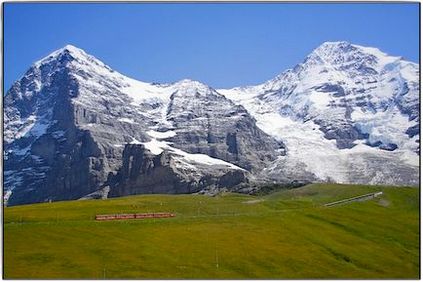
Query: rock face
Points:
[145, 173]
[69, 120]
[208, 123]
[46, 154]
[74, 128]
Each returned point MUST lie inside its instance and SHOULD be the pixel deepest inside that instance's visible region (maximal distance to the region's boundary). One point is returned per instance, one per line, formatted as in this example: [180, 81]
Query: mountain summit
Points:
[343, 112]
[74, 128]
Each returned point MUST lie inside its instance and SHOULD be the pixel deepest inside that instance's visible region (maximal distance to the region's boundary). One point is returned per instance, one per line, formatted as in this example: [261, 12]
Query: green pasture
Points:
[286, 234]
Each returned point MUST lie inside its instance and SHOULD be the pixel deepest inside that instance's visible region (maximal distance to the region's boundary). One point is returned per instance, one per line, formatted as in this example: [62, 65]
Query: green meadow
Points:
[285, 234]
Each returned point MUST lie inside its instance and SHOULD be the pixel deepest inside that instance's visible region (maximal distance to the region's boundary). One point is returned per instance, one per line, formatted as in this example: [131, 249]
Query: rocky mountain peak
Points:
[72, 60]
[334, 46]
[344, 55]
[353, 99]
[71, 118]
[334, 61]
[66, 54]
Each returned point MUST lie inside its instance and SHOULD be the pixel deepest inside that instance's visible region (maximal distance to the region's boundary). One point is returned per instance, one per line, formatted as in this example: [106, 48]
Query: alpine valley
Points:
[74, 128]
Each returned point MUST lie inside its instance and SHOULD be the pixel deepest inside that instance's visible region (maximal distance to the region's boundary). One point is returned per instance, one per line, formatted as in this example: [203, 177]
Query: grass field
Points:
[287, 234]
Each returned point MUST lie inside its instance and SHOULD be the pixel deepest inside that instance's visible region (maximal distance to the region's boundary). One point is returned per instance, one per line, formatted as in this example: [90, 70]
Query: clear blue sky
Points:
[223, 45]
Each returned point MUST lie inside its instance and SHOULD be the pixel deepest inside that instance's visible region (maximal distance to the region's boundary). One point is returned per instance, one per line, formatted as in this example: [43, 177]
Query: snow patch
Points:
[320, 99]
[127, 120]
[161, 135]
[135, 141]
[156, 147]
[7, 196]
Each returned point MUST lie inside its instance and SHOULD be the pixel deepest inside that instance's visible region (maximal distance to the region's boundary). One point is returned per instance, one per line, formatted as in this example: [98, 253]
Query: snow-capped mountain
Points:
[73, 125]
[347, 114]
[75, 128]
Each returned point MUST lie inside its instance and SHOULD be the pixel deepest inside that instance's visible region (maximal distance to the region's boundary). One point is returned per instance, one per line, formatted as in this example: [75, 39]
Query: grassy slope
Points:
[287, 234]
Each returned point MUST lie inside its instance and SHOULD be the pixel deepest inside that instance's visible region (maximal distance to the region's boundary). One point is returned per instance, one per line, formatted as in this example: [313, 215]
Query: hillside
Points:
[286, 234]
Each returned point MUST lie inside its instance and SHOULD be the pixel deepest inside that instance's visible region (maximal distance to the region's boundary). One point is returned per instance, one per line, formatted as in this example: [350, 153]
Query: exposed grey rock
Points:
[145, 173]
[102, 193]
[208, 123]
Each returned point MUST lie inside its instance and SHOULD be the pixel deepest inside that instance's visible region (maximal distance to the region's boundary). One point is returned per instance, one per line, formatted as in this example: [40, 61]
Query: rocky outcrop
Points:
[54, 159]
[208, 123]
[145, 173]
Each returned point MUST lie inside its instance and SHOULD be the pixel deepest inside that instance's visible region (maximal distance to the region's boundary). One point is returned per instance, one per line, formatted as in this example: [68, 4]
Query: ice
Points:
[380, 130]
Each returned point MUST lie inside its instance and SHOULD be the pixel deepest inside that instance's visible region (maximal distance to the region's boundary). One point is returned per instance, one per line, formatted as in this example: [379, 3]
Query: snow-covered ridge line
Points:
[341, 86]
[347, 114]
[77, 52]
[387, 59]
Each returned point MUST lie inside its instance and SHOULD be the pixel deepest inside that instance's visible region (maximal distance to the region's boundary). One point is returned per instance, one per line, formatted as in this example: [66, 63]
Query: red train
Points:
[133, 216]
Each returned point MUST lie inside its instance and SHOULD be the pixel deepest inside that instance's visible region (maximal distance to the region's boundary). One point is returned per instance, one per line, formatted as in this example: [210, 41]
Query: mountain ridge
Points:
[350, 103]
[71, 135]
[72, 123]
